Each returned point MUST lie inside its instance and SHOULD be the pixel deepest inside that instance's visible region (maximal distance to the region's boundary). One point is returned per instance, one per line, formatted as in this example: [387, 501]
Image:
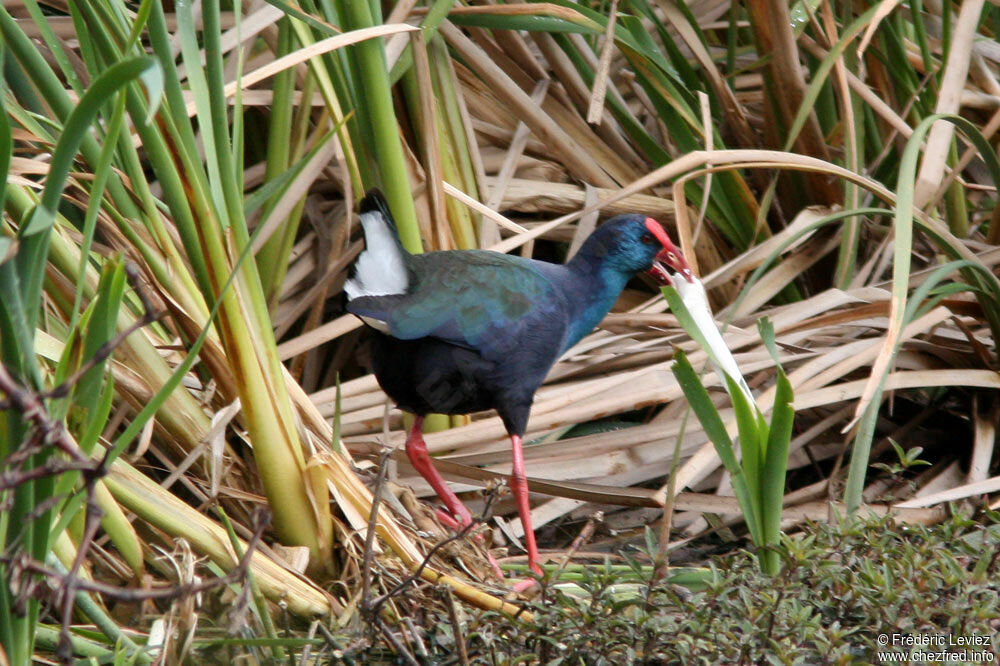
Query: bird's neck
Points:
[595, 286]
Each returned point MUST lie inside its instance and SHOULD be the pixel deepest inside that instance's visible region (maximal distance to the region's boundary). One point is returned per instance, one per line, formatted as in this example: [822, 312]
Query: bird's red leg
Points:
[416, 450]
[519, 485]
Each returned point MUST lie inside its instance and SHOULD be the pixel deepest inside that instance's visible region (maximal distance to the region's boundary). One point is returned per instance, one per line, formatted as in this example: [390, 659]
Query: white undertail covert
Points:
[380, 269]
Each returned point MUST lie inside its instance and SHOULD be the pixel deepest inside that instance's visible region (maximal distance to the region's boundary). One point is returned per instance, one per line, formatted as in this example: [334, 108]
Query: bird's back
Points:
[481, 300]
[458, 331]
[476, 330]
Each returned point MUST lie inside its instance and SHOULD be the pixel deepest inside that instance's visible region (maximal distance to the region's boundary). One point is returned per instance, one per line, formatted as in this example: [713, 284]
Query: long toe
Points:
[451, 523]
[522, 586]
[494, 565]
[447, 519]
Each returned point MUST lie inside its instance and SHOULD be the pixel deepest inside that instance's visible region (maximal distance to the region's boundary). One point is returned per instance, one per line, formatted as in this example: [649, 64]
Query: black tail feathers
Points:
[374, 202]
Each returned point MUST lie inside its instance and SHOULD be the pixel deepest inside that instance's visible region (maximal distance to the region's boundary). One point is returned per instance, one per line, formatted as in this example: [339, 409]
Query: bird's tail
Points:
[380, 269]
[374, 202]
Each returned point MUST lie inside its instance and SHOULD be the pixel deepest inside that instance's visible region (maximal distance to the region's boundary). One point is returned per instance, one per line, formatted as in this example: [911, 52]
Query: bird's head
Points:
[670, 257]
[635, 243]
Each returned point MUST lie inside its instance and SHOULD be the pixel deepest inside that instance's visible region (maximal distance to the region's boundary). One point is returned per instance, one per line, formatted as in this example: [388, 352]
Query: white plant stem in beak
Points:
[696, 300]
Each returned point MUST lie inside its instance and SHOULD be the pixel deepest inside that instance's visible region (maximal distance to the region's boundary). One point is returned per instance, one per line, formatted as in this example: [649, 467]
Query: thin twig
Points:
[136, 595]
[396, 644]
[49, 432]
[662, 554]
[32, 409]
[307, 649]
[338, 649]
[585, 535]
[369, 552]
[415, 633]
[11, 477]
[456, 628]
[415, 574]
[103, 352]
[71, 582]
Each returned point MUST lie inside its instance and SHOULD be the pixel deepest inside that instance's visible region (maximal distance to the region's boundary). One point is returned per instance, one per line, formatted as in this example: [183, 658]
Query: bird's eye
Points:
[648, 239]
[671, 257]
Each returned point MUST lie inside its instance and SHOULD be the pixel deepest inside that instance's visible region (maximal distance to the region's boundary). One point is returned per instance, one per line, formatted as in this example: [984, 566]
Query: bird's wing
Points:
[476, 299]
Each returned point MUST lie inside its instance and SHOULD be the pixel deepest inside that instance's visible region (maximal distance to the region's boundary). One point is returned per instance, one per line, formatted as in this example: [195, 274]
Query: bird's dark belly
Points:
[429, 375]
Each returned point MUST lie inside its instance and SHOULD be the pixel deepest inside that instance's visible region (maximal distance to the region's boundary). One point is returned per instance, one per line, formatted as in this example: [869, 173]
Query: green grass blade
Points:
[437, 12]
[204, 109]
[903, 229]
[774, 470]
[819, 77]
[775, 256]
[279, 146]
[752, 440]
[102, 172]
[54, 45]
[6, 150]
[376, 110]
[292, 10]
[227, 149]
[712, 424]
[543, 17]
[34, 233]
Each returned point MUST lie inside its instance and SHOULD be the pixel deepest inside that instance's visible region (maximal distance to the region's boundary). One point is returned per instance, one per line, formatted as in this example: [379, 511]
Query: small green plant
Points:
[906, 459]
[758, 477]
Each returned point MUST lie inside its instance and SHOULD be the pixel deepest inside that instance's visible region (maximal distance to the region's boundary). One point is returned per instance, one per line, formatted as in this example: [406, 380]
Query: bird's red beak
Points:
[669, 257]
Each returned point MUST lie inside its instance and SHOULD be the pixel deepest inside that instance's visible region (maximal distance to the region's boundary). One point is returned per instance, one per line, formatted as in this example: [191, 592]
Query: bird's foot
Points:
[530, 585]
[448, 520]
[522, 586]
[494, 565]
[454, 524]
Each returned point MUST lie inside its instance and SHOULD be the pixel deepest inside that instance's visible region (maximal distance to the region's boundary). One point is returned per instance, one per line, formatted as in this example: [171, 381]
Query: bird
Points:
[463, 331]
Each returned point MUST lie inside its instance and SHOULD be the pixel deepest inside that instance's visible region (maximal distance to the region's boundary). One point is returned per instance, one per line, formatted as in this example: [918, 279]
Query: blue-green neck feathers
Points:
[610, 257]
[591, 308]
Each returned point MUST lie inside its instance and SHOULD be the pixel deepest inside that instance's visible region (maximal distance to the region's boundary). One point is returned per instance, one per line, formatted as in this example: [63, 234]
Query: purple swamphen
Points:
[464, 331]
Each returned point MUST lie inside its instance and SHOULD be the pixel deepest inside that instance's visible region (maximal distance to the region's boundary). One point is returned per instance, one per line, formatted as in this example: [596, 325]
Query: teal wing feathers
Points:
[477, 299]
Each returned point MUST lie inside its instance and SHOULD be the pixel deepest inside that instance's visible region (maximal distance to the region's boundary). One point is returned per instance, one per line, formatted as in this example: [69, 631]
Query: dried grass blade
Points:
[952, 83]
[596, 108]
[540, 123]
